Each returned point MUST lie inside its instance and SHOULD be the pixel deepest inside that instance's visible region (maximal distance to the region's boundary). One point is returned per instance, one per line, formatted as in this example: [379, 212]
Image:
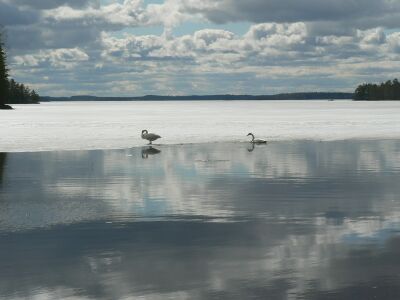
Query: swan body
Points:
[256, 141]
[149, 136]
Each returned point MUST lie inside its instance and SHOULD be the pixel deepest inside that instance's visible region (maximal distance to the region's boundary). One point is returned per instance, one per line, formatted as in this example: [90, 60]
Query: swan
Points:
[257, 141]
[149, 136]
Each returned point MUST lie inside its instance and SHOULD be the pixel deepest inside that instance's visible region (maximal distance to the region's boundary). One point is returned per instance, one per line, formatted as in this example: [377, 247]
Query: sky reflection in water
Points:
[290, 220]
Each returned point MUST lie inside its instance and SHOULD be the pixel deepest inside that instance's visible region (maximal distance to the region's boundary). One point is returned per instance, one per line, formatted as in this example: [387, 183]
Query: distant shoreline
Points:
[286, 96]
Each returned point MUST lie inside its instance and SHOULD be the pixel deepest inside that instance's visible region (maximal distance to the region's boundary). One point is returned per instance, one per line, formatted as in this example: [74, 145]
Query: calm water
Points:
[290, 220]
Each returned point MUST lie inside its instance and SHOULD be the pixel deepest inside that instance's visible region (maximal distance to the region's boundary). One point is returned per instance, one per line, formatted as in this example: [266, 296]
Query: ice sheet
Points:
[109, 125]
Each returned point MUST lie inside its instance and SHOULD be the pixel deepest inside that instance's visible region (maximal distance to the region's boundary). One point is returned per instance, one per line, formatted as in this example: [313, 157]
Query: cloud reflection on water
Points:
[203, 221]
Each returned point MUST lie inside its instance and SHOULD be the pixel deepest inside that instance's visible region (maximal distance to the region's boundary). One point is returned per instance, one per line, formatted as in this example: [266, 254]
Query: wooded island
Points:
[389, 90]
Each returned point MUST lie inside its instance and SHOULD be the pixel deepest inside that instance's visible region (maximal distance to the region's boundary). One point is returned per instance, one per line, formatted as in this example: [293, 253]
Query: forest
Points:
[12, 92]
[389, 90]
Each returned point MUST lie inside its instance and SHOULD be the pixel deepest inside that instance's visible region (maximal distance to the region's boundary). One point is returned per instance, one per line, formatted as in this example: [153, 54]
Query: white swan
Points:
[149, 136]
[257, 141]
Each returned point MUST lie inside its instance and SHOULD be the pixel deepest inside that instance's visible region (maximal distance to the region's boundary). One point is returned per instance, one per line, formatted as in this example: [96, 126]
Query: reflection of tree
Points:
[2, 164]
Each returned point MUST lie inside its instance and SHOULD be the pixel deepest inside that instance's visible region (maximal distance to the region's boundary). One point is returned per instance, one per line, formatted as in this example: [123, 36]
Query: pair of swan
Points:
[152, 137]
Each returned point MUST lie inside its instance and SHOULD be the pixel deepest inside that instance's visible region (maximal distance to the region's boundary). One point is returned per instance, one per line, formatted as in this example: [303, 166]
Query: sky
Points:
[181, 47]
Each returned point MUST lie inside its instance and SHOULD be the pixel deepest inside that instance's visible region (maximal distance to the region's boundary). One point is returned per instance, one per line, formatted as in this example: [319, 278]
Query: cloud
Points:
[13, 15]
[66, 24]
[128, 13]
[48, 4]
[263, 44]
[64, 58]
[393, 42]
[270, 57]
[258, 11]
[335, 42]
[117, 15]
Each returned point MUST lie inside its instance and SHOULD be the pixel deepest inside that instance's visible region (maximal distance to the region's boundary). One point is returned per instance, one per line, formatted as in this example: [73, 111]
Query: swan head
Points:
[252, 135]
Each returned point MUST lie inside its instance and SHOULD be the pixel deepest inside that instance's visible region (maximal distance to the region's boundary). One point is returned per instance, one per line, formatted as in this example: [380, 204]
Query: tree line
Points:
[389, 90]
[19, 93]
[12, 92]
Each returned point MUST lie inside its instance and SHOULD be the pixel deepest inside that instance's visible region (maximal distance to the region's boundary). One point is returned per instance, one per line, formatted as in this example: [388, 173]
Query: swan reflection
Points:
[149, 151]
[253, 146]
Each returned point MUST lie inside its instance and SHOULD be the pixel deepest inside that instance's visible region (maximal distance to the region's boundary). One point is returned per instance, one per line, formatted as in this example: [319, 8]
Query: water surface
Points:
[92, 125]
[290, 220]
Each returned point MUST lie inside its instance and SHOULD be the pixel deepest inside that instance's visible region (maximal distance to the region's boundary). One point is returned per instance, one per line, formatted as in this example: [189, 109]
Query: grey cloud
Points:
[292, 11]
[23, 39]
[261, 61]
[28, 39]
[12, 15]
[48, 4]
[328, 37]
[33, 25]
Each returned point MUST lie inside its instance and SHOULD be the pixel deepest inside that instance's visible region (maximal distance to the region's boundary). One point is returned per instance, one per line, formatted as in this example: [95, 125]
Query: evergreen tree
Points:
[3, 75]
[396, 89]
[389, 90]
[34, 97]
[361, 92]
[10, 91]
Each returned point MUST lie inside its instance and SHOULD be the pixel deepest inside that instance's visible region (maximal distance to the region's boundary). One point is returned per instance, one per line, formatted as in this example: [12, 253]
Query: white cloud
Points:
[97, 41]
[262, 44]
[127, 13]
[63, 58]
[393, 42]
[373, 36]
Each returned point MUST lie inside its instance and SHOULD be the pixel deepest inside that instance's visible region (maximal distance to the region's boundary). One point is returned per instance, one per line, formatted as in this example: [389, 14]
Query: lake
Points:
[288, 220]
[116, 125]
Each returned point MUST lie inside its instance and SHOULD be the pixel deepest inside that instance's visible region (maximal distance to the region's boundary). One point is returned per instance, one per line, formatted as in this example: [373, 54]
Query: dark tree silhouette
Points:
[389, 90]
[12, 92]
[19, 93]
[3, 75]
